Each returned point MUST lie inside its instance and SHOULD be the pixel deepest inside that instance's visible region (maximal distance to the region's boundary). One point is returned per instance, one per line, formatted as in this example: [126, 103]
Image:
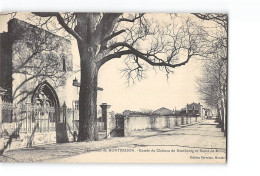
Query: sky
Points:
[154, 92]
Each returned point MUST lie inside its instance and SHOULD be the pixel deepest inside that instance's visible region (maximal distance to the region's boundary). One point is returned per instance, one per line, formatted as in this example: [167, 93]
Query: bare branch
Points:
[143, 56]
[113, 35]
[219, 18]
[131, 20]
[61, 22]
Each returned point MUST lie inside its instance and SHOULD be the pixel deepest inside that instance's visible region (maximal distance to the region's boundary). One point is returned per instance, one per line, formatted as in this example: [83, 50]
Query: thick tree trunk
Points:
[223, 116]
[225, 121]
[92, 32]
[86, 24]
[225, 110]
[219, 117]
[88, 97]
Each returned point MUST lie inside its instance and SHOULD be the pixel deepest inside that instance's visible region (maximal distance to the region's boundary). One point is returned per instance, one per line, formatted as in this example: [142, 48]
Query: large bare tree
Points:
[140, 39]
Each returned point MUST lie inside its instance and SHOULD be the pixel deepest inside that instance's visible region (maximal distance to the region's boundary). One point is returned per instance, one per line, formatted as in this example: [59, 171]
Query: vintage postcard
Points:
[113, 87]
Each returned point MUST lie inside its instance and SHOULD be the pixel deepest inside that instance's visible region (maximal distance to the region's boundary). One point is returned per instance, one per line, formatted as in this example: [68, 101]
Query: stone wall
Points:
[135, 123]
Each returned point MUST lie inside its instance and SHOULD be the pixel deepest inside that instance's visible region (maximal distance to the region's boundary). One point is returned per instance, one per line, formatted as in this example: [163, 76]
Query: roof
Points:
[196, 105]
[163, 111]
[129, 112]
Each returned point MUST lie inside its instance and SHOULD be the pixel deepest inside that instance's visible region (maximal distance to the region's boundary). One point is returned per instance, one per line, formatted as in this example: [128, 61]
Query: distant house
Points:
[208, 113]
[194, 109]
[163, 111]
[180, 112]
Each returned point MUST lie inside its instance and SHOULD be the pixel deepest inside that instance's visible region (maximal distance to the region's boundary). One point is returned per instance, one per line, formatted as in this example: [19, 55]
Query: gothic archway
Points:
[45, 96]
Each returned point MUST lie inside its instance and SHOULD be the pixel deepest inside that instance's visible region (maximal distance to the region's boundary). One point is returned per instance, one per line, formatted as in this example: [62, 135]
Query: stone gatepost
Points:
[104, 117]
[2, 92]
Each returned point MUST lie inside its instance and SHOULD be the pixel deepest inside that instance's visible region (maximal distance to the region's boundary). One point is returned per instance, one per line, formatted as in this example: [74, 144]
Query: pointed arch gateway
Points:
[46, 89]
[46, 97]
[46, 114]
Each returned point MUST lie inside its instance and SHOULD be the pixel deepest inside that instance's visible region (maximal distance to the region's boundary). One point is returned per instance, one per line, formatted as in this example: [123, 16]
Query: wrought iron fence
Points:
[24, 118]
[33, 117]
[29, 118]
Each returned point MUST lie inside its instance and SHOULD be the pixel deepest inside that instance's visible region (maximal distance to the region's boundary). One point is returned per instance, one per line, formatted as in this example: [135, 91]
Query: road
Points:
[199, 143]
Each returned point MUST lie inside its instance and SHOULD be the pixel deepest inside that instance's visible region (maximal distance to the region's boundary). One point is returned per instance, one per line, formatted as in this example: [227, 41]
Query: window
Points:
[76, 105]
[64, 63]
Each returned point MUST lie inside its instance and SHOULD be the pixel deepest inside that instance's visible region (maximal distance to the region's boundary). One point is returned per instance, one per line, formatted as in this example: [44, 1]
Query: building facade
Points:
[194, 109]
[35, 64]
[40, 104]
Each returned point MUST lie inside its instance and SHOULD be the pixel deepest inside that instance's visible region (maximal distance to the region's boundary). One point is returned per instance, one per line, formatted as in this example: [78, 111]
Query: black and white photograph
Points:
[84, 87]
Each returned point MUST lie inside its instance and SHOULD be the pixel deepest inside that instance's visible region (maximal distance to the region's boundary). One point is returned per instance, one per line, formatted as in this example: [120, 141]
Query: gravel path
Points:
[204, 135]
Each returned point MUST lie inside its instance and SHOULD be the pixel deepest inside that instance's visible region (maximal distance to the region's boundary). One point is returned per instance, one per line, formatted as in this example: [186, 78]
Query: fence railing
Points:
[30, 118]
[26, 118]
